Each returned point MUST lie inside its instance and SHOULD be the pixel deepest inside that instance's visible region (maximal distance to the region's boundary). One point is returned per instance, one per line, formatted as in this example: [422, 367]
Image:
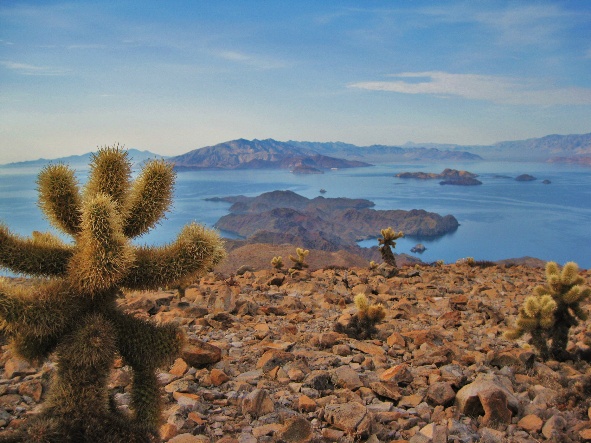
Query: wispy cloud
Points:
[252, 60]
[496, 89]
[27, 69]
[542, 24]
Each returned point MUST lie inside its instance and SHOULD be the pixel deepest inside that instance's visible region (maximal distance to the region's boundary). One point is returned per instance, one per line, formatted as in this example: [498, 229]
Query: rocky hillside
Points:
[263, 363]
[258, 154]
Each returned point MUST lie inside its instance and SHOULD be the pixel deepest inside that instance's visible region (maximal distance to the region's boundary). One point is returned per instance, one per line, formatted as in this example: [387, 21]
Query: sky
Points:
[178, 75]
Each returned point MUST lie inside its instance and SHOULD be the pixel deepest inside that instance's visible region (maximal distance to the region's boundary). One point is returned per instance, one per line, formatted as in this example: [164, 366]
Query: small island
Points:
[449, 176]
[525, 178]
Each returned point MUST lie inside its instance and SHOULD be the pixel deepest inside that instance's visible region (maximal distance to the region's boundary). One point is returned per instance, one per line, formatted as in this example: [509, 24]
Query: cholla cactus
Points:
[553, 309]
[387, 243]
[277, 263]
[72, 312]
[373, 265]
[536, 316]
[363, 324]
[299, 262]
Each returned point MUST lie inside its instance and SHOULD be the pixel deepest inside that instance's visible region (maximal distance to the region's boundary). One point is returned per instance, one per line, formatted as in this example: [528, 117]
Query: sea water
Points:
[502, 218]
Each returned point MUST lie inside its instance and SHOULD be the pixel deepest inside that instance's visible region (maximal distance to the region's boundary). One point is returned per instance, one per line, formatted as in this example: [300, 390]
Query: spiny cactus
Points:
[549, 314]
[277, 263]
[299, 262]
[72, 312]
[363, 324]
[387, 243]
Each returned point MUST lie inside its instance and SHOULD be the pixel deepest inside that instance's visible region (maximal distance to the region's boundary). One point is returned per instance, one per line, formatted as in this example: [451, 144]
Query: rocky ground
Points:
[263, 363]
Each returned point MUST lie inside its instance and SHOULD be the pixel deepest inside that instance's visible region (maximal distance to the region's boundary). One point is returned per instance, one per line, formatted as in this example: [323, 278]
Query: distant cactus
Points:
[373, 265]
[549, 314]
[363, 324]
[299, 262]
[72, 312]
[277, 263]
[387, 243]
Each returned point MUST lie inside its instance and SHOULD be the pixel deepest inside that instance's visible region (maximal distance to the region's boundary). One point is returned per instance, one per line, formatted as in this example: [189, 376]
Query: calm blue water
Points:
[500, 219]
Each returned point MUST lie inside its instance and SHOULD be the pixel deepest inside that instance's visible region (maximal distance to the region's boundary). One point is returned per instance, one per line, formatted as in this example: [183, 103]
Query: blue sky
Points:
[177, 75]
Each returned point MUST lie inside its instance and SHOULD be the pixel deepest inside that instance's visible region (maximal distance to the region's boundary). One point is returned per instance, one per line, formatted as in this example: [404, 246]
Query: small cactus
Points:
[363, 324]
[387, 242]
[299, 262]
[277, 263]
[549, 314]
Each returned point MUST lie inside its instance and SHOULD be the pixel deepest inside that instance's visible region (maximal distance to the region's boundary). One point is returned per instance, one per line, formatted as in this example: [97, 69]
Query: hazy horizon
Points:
[175, 76]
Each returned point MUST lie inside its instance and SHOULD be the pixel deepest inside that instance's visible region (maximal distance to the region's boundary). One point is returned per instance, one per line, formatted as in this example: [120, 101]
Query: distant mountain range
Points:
[81, 161]
[314, 157]
[260, 154]
[574, 148]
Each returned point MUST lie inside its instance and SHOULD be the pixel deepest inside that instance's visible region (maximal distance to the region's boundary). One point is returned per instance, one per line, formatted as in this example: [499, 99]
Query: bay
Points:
[501, 218]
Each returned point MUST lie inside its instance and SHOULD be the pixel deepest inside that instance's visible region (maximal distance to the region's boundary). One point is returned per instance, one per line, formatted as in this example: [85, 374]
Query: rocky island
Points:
[329, 224]
[525, 178]
[449, 176]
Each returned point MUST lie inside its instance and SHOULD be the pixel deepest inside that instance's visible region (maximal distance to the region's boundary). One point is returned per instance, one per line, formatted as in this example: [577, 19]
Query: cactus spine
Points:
[72, 312]
[549, 314]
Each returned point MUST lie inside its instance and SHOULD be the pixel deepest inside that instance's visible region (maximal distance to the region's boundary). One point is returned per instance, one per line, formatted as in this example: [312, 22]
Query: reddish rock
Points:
[198, 353]
[31, 388]
[218, 377]
[295, 430]
[531, 423]
[257, 403]
[494, 403]
[399, 374]
[440, 393]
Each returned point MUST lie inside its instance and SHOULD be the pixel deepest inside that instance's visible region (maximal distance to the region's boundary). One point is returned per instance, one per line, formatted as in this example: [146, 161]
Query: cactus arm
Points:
[149, 199]
[195, 251]
[59, 198]
[42, 255]
[103, 256]
[46, 311]
[110, 172]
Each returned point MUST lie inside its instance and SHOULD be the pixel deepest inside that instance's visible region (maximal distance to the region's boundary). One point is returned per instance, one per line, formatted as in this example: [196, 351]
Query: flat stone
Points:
[198, 353]
[306, 404]
[555, 425]
[399, 374]
[15, 367]
[295, 430]
[367, 348]
[189, 438]
[218, 377]
[257, 403]
[440, 393]
[386, 389]
[347, 377]
[531, 423]
[346, 416]
[179, 367]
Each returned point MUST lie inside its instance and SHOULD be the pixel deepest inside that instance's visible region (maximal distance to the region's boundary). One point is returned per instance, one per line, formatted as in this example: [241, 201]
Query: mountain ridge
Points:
[270, 153]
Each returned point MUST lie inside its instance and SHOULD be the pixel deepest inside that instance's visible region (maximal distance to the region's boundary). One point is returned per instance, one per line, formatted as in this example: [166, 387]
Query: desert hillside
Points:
[264, 364]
